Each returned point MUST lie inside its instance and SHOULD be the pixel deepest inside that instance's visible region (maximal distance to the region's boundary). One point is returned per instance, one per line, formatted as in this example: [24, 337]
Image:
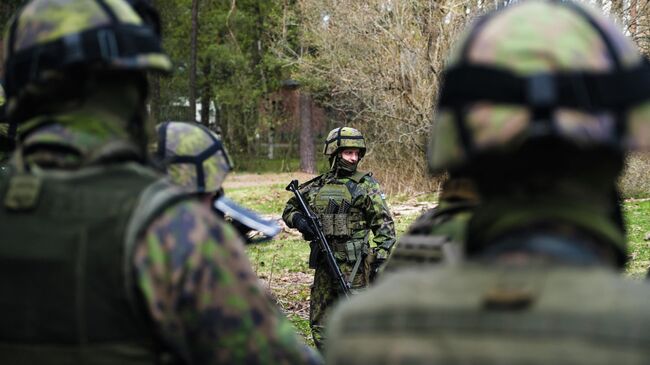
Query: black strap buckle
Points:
[541, 90]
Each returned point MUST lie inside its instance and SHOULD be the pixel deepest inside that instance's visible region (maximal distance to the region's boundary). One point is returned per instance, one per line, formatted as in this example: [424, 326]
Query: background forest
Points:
[274, 76]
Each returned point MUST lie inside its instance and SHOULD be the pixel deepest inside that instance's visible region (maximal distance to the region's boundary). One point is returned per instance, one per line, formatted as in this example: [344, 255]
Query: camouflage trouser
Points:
[325, 291]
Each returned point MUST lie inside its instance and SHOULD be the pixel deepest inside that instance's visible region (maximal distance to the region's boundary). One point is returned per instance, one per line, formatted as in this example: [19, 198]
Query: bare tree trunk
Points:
[617, 12]
[193, 37]
[307, 159]
[206, 94]
[633, 19]
[271, 141]
[154, 101]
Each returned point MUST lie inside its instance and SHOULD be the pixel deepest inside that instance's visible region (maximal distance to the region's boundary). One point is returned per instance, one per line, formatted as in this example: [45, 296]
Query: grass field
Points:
[282, 263]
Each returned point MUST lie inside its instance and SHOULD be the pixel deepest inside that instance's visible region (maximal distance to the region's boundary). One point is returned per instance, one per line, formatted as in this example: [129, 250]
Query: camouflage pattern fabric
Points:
[204, 297]
[192, 273]
[369, 199]
[191, 141]
[325, 292]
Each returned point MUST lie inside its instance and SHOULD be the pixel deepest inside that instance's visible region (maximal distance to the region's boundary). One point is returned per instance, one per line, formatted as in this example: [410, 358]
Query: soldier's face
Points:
[350, 155]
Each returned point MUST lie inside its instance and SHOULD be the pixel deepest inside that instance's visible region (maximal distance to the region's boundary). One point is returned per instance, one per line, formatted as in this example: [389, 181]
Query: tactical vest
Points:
[477, 314]
[342, 222]
[65, 265]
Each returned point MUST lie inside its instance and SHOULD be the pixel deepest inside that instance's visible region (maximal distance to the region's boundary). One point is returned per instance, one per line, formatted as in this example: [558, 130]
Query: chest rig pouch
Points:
[342, 222]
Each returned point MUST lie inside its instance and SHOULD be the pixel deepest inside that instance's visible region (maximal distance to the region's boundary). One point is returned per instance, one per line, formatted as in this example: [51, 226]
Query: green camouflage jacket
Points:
[367, 198]
[189, 267]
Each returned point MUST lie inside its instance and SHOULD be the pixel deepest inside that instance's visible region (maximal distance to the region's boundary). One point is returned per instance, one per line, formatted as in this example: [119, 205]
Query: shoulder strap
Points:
[359, 175]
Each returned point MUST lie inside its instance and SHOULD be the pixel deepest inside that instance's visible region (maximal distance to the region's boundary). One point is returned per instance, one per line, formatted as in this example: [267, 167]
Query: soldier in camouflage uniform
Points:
[350, 205]
[101, 260]
[195, 158]
[540, 102]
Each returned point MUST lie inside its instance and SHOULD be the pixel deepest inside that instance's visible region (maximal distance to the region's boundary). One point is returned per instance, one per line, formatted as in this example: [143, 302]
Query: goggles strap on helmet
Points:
[588, 91]
[97, 44]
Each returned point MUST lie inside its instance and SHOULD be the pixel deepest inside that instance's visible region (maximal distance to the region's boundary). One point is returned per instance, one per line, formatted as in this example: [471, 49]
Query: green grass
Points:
[637, 218]
[263, 199]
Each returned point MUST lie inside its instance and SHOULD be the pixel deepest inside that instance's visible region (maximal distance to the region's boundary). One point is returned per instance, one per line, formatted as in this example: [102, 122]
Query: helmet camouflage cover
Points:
[47, 36]
[193, 156]
[563, 70]
[344, 137]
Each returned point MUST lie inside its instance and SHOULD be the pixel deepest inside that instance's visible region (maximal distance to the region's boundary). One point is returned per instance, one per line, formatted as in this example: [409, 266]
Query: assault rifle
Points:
[320, 238]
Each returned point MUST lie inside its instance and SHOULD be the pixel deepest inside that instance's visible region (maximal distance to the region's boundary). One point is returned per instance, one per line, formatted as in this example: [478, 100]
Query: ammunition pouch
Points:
[350, 250]
[341, 225]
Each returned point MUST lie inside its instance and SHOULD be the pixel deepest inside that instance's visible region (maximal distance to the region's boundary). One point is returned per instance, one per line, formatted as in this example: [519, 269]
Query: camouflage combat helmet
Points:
[563, 70]
[344, 137]
[50, 36]
[193, 156]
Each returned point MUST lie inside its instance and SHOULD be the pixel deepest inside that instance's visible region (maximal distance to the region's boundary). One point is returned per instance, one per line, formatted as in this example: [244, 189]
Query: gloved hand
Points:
[378, 259]
[302, 225]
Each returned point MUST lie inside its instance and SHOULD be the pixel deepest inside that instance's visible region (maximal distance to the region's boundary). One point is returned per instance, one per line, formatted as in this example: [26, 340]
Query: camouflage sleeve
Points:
[290, 210]
[293, 206]
[204, 297]
[377, 214]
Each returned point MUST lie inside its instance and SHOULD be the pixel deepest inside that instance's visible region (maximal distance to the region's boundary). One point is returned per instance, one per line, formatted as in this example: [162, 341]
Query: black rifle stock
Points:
[320, 238]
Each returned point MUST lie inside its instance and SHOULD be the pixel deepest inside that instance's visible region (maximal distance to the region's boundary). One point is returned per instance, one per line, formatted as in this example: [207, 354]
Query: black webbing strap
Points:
[101, 44]
[339, 137]
[578, 90]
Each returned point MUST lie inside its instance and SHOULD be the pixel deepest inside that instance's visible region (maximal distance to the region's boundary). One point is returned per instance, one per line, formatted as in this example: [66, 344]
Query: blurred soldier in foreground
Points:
[539, 103]
[195, 158]
[101, 261]
[438, 235]
[349, 204]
